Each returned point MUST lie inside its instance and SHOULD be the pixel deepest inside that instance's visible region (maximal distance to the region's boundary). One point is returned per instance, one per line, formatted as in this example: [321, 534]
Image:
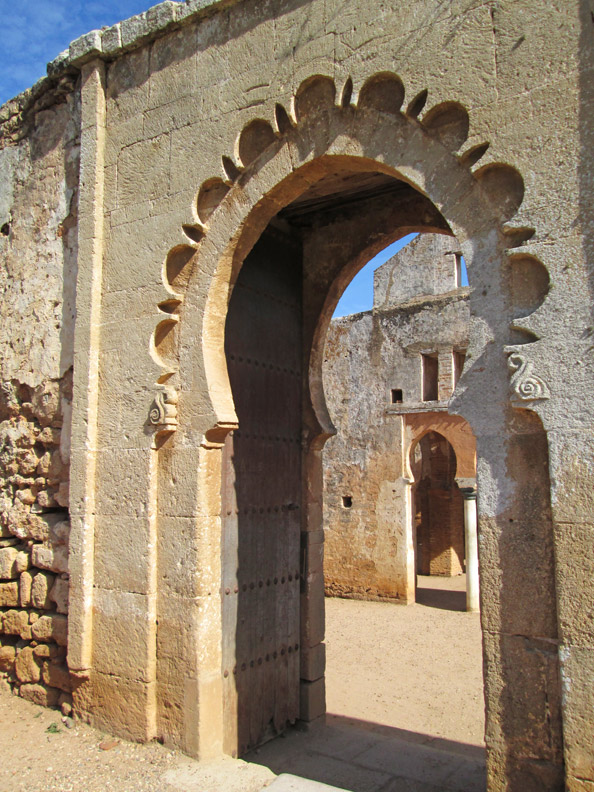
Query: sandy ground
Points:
[416, 669]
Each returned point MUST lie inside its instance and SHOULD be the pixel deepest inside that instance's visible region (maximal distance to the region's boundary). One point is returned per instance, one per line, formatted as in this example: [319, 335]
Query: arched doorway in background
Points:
[438, 508]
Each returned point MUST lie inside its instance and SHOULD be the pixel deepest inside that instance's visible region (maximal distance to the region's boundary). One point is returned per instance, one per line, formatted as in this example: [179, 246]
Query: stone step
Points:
[290, 783]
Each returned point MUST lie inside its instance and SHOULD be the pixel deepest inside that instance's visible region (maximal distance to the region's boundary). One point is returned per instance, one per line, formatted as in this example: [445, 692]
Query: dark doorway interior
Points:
[439, 508]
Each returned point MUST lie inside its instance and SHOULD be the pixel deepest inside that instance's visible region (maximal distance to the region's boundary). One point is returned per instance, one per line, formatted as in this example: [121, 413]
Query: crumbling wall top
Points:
[427, 266]
[107, 43]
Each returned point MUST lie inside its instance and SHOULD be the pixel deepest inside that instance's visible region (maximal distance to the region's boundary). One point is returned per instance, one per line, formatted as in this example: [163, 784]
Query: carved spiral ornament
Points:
[524, 384]
[163, 412]
[157, 413]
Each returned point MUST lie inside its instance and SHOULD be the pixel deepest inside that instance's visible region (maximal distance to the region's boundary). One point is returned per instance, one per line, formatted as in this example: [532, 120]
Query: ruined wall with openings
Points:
[373, 381]
[39, 170]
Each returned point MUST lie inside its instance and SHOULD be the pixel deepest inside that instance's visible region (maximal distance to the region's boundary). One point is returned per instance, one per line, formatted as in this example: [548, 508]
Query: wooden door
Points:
[262, 497]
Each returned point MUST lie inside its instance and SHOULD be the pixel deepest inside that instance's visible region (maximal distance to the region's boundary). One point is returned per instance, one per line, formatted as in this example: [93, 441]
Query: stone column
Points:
[471, 542]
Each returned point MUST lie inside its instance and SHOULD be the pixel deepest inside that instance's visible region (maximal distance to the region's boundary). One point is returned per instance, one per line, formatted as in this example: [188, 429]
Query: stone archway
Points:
[438, 508]
[319, 139]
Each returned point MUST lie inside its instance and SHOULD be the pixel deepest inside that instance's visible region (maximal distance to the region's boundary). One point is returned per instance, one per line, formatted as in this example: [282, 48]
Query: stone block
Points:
[62, 496]
[313, 662]
[143, 171]
[178, 483]
[25, 584]
[533, 775]
[13, 562]
[9, 595]
[65, 703]
[7, 658]
[85, 47]
[181, 571]
[128, 88]
[59, 594]
[124, 553]
[159, 16]
[575, 583]
[58, 676]
[102, 698]
[522, 674]
[134, 29]
[59, 64]
[577, 673]
[312, 699]
[111, 40]
[312, 610]
[125, 629]
[123, 476]
[26, 666]
[53, 558]
[174, 71]
[16, 622]
[52, 627]
[40, 695]
[26, 525]
[40, 590]
[46, 402]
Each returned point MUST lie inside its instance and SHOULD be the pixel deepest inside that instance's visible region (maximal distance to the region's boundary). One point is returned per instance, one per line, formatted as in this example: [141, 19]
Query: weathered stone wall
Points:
[39, 156]
[487, 117]
[417, 308]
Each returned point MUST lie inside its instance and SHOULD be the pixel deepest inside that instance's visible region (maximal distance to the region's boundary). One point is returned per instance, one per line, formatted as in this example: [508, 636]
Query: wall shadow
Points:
[361, 756]
[441, 599]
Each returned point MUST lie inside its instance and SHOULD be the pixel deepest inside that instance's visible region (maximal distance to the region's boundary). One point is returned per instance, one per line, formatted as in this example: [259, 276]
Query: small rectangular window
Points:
[347, 501]
[430, 377]
[396, 395]
[458, 257]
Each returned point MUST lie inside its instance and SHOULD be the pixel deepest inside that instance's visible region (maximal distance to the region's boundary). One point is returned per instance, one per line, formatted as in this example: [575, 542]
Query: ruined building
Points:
[183, 200]
[395, 471]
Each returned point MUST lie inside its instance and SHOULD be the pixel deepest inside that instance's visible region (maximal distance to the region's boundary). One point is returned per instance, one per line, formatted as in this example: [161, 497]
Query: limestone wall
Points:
[39, 156]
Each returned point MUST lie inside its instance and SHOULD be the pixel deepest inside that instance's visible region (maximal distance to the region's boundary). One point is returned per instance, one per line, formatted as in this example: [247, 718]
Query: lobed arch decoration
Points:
[275, 161]
[458, 436]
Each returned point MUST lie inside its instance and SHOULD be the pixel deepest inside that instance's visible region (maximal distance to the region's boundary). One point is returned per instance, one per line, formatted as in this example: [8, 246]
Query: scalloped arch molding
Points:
[274, 161]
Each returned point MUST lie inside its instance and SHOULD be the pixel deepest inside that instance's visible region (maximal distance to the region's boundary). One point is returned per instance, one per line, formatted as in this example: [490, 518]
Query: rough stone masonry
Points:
[184, 198]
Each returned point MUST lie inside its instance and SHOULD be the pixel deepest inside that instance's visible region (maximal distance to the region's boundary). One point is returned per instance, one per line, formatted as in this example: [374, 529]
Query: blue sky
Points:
[358, 295]
[33, 32]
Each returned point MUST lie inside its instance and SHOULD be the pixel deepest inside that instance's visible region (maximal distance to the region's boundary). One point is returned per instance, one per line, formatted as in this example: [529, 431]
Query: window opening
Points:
[396, 395]
[458, 257]
[347, 501]
[430, 377]
[459, 358]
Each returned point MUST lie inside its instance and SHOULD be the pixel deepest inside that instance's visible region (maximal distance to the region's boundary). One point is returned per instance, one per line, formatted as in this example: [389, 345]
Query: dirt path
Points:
[418, 667]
